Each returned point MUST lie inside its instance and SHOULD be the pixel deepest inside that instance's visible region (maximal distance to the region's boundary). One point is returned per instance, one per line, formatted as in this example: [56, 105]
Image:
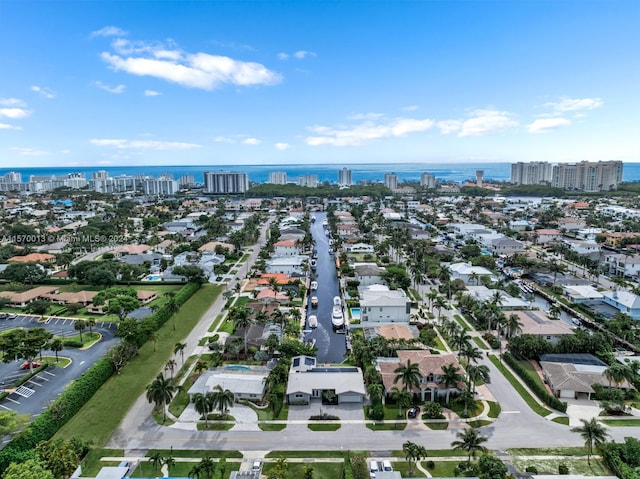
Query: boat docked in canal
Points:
[313, 286]
[314, 301]
[337, 317]
[313, 321]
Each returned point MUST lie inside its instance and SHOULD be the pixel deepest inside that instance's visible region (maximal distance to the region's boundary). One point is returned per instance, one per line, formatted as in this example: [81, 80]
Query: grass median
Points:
[99, 418]
[533, 404]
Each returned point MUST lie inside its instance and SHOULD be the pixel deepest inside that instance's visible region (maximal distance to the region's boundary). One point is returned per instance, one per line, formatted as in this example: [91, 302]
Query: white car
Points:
[256, 466]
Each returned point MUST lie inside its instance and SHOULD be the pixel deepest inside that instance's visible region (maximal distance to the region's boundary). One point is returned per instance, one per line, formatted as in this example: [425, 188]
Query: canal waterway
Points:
[331, 345]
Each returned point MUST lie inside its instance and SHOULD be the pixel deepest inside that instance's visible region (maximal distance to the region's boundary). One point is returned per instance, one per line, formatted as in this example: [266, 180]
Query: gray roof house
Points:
[380, 304]
[369, 273]
[246, 382]
[332, 385]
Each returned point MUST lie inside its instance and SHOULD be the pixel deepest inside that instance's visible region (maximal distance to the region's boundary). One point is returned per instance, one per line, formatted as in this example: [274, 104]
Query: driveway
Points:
[578, 409]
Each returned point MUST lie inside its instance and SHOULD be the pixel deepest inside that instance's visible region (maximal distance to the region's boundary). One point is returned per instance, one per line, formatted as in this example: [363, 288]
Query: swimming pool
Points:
[237, 367]
[153, 277]
[355, 313]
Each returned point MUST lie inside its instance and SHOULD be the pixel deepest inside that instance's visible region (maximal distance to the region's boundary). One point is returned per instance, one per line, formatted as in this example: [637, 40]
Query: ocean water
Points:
[458, 172]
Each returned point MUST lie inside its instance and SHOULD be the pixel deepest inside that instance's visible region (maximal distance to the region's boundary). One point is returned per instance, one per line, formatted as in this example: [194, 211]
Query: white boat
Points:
[313, 321]
[325, 222]
[313, 286]
[337, 318]
[313, 262]
[313, 219]
[314, 301]
[337, 301]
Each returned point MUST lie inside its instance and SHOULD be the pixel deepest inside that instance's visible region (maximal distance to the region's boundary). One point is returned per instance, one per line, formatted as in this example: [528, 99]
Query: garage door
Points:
[350, 398]
[567, 394]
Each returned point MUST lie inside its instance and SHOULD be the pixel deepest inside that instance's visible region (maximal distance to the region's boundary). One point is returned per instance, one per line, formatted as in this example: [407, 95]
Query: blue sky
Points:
[262, 82]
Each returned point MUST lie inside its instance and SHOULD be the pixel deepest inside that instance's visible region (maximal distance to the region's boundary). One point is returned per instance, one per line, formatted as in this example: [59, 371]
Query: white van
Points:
[386, 466]
[373, 468]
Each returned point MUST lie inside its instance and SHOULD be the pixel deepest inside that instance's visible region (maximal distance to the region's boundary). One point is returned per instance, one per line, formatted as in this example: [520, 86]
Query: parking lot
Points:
[36, 394]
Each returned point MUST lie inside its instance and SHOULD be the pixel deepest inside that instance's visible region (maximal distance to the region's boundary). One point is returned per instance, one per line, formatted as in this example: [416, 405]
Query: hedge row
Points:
[534, 385]
[611, 455]
[74, 397]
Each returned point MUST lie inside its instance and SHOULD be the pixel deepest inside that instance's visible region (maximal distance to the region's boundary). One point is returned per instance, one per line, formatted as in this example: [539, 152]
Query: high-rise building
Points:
[391, 181]
[344, 177]
[587, 176]
[427, 180]
[225, 182]
[278, 177]
[186, 181]
[533, 173]
[12, 177]
[479, 178]
[310, 181]
[163, 185]
[100, 175]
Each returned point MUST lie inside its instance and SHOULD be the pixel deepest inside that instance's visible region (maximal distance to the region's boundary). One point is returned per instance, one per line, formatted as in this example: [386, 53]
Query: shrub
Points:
[563, 469]
[431, 465]
[376, 412]
[532, 469]
[534, 385]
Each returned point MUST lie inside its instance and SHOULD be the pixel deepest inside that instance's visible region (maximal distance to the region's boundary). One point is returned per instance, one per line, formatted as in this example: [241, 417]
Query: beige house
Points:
[20, 300]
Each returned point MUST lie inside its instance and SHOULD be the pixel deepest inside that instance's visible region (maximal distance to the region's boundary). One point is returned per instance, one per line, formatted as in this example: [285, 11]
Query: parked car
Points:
[4, 315]
[12, 316]
[35, 364]
[256, 466]
[413, 412]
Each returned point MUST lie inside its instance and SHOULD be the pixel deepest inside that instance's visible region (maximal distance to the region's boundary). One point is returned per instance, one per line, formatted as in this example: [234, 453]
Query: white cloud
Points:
[282, 146]
[193, 70]
[365, 116]
[14, 113]
[12, 102]
[410, 108]
[111, 89]
[109, 31]
[44, 92]
[152, 93]
[144, 144]
[29, 151]
[302, 54]
[545, 124]
[479, 122]
[6, 126]
[223, 139]
[366, 131]
[575, 104]
[282, 56]
[251, 141]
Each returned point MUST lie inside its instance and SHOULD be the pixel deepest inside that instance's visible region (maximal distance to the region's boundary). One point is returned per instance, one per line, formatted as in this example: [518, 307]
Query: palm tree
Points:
[160, 392]
[171, 365]
[439, 304]
[223, 399]
[431, 297]
[616, 373]
[409, 375]
[203, 404]
[376, 391]
[512, 326]
[449, 378]
[179, 348]
[460, 339]
[593, 433]
[468, 401]
[155, 459]
[477, 372]
[413, 453]
[401, 397]
[206, 468]
[242, 320]
[154, 336]
[172, 307]
[471, 353]
[170, 462]
[56, 345]
[91, 322]
[470, 441]
[277, 316]
[80, 325]
[554, 311]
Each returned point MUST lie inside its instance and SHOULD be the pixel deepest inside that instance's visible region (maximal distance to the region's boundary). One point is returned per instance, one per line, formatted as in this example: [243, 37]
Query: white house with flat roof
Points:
[581, 293]
[482, 293]
[465, 271]
[245, 382]
[289, 265]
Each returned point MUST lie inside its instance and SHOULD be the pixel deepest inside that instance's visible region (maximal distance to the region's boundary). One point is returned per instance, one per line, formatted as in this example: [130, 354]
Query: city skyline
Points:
[213, 83]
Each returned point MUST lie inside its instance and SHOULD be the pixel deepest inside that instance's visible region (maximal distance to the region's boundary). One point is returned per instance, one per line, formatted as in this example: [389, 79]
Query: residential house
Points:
[467, 273]
[369, 273]
[537, 323]
[286, 248]
[505, 246]
[624, 301]
[20, 300]
[380, 304]
[583, 247]
[571, 224]
[581, 293]
[245, 382]
[43, 258]
[547, 235]
[289, 265]
[483, 294]
[430, 366]
[332, 385]
[520, 225]
[622, 264]
[361, 248]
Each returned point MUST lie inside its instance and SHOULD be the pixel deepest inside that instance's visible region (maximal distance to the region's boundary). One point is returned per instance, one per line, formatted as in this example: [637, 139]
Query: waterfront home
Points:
[333, 384]
[624, 301]
[369, 273]
[286, 248]
[468, 273]
[289, 265]
[430, 366]
[537, 323]
[380, 304]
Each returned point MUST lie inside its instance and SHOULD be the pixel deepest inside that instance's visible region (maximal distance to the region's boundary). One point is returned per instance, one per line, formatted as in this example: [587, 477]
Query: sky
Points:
[105, 83]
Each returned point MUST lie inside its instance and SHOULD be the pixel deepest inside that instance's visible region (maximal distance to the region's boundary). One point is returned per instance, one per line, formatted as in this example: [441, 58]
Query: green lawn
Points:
[459, 408]
[480, 342]
[403, 468]
[323, 426]
[532, 372]
[494, 409]
[444, 468]
[622, 422]
[199, 453]
[437, 426]
[226, 327]
[576, 466]
[265, 414]
[305, 454]
[97, 420]
[386, 426]
[462, 322]
[533, 404]
[479, 423]
[321, 470]
[564, 420]
[214, 325]
[548, 451]
[181, 469]
[91, 463]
